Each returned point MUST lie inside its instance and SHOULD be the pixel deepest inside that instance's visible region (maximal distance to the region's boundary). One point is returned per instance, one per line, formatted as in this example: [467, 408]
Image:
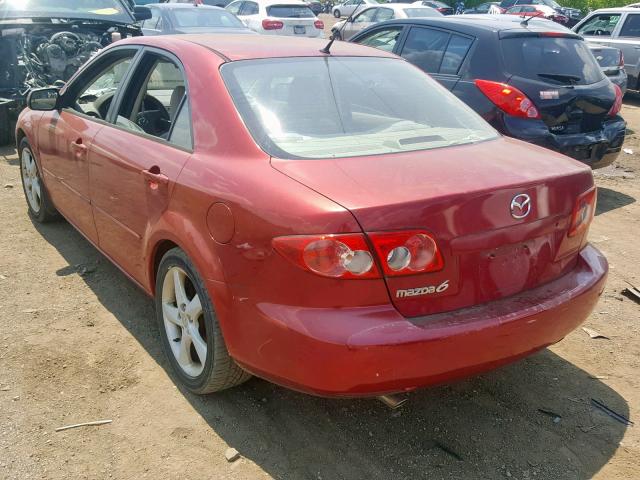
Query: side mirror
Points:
[141, 14]
[43, 99]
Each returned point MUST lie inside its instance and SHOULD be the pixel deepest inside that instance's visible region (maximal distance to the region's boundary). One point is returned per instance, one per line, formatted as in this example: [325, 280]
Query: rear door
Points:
[137, 158]
[438, 52]
[627, 39]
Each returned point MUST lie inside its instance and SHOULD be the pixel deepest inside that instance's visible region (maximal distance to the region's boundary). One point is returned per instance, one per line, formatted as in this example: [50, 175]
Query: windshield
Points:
[205, 17]
[317, 107]
[110, 10]
[564, 61]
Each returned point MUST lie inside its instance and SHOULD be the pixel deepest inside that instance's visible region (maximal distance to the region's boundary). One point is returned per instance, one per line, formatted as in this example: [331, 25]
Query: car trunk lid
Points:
[462, 196]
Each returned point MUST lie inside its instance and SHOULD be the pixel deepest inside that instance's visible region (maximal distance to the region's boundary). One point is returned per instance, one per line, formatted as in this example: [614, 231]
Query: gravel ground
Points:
[78, 343]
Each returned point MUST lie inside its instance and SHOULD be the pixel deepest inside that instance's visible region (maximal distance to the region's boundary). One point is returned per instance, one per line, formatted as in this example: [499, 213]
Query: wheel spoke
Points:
[194, 308]
[199, 344]
[184, 353]
[178, 285]
[171, 314]
[35, 186]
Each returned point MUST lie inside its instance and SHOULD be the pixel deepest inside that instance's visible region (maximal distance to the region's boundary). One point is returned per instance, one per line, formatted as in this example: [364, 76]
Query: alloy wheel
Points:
[31, 180]
[184, 321]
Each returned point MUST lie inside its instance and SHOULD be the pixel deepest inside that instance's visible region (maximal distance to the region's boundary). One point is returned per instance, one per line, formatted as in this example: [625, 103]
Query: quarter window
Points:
[425, 48]
[631, 27]
[249, 8]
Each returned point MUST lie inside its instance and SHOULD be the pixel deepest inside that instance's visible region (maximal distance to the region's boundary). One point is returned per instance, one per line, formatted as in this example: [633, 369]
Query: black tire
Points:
[337, 14]
[47, 211]
[219, 371]
[5, 127]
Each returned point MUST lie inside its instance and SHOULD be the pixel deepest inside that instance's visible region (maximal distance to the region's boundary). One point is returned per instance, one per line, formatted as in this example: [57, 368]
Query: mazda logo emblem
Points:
[520, 206]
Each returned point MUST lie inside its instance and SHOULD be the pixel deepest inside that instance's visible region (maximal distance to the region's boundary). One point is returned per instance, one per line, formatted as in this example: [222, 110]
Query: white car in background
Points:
[272, 17]
[345, 29]
[347, 8]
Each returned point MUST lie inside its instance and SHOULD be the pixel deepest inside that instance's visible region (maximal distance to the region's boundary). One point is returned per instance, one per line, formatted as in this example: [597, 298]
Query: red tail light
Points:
[337, 256]
[617, 103]
[348, 255]
[268, 24]
[442, 9]
[583, 212]
[508, 99]
[319, 24]
[406, 253]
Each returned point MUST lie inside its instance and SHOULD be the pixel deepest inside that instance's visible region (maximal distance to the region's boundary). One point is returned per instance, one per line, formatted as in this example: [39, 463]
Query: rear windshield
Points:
[554, 59]
[205, 17]
[316, 107]
[289, 11]
[421, 12]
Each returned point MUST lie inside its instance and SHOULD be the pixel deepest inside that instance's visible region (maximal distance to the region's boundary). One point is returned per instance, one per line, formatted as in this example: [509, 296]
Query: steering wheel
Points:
[102, 104]
[153, 117]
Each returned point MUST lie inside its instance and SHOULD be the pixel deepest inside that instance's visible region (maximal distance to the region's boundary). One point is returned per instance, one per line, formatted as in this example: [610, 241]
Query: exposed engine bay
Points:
[42, 55]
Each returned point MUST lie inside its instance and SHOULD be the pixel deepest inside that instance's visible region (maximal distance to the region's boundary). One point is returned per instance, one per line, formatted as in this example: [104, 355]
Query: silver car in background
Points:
[346, 29]
[347, 8]
[619, 28]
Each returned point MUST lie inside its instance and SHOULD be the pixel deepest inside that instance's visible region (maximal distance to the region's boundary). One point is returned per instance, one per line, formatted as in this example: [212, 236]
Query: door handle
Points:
[154, 178]
[78, 145]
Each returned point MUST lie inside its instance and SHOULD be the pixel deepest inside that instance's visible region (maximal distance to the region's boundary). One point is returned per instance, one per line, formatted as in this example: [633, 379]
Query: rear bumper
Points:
[374, 350]
[596, 149]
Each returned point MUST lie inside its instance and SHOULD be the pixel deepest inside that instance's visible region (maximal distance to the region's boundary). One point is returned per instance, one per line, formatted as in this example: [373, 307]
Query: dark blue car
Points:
[534, 81]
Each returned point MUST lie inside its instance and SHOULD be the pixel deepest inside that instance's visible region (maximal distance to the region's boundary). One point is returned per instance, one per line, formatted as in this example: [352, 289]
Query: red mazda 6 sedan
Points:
[336, 223]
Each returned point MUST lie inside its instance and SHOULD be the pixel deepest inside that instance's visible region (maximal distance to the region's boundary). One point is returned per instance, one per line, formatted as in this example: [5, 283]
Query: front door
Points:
[137, 159]
[66, 137]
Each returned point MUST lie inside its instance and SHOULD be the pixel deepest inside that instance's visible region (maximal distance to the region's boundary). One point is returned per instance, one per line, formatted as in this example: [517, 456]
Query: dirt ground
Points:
[78, 343]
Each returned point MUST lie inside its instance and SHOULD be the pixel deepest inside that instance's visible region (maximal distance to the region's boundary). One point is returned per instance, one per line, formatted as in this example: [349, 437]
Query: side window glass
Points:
[366, 16]
[95, 89]
[631, 27]
[249, 8]
[454, 56]
[234, 7]
[150, 103]
[153, 21]
[385, 39]
[600, 25]
[384, 14]
[425, 48]
[181, 133]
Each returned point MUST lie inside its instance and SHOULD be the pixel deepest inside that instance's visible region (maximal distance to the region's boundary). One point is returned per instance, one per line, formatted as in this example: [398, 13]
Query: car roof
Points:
[476, 24]
[401, 6]
[615, 10]
[245, 47]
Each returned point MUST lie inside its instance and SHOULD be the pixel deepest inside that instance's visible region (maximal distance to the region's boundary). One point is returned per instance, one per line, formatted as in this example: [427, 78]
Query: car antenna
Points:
[327, 47]
[525, 22]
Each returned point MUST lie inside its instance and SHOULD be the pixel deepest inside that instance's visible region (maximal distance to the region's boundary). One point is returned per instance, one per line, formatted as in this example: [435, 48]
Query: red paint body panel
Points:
[317, 334]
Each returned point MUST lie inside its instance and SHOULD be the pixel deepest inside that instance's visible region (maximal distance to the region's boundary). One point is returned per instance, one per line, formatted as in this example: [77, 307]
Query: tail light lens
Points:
[319, 24]
[617, 103]
[269, 24]
[442, 9]
[583, 212]
[508, 99]
[337, 256]
[348, 256]
[406, 253]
